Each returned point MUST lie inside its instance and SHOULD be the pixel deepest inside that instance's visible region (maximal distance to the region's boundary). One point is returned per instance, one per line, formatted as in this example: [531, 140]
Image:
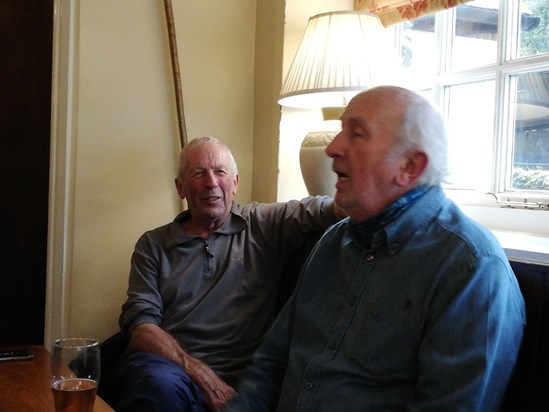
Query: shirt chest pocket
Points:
[383, 339]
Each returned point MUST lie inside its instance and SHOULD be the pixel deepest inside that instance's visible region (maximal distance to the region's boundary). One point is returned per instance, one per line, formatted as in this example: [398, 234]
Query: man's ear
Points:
[235, 184]
[179, 187]
[413, 166]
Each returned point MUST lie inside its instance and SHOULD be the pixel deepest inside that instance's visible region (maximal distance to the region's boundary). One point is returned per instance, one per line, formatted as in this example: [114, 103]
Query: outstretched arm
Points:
[150, 338]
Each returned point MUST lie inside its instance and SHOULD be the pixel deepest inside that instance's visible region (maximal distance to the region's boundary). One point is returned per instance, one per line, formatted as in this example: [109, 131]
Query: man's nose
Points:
[211, 179]
[333, 149]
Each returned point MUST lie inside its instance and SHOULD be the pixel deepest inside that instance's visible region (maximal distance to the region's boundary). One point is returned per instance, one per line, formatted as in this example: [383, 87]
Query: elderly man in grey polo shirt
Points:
[202, 289]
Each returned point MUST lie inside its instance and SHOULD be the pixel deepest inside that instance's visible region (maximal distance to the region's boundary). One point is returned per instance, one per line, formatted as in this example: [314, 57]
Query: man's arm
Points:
[150, 338]
[470, 348]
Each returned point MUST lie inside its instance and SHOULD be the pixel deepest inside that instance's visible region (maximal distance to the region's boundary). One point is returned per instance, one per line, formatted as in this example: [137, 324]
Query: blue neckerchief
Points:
[367, 229]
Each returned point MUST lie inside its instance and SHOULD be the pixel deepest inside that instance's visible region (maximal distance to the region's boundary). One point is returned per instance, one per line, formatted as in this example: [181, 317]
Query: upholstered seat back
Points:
[528, 390]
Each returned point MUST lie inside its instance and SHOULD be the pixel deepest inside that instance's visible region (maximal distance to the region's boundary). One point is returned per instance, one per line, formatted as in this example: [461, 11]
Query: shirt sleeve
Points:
[470, 336]
[144, 303]
[282, 227]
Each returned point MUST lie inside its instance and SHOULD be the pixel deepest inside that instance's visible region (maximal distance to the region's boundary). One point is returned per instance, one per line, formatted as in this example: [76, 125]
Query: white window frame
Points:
[524, 232]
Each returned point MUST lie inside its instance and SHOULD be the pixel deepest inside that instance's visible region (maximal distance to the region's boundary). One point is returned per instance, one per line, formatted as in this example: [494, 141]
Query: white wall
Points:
[115, 137]
[268, 81]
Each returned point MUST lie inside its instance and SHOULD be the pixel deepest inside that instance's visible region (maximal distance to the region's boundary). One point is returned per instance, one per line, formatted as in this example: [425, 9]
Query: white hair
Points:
[202, 141]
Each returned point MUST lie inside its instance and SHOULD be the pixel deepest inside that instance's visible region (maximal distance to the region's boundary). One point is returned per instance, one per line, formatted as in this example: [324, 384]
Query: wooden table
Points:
[25, 384]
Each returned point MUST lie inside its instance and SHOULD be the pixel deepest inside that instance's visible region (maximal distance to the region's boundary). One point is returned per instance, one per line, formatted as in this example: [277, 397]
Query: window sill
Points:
[524, 234]
[524, 247]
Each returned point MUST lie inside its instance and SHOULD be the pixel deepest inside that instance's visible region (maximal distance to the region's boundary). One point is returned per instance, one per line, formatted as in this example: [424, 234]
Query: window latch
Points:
[517, 204]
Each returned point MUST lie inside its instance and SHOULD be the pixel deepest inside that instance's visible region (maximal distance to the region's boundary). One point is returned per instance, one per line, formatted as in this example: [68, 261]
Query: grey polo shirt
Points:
[217, 297]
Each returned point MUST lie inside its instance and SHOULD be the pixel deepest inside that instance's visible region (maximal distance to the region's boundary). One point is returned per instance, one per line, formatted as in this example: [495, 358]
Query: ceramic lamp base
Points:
[316, 166]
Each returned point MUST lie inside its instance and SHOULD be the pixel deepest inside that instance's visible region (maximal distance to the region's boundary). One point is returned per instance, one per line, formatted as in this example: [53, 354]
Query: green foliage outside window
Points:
[536, 41]
[533, 179]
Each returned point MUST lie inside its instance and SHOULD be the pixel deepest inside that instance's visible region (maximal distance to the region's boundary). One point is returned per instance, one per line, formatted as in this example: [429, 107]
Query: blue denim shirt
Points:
[430, 318]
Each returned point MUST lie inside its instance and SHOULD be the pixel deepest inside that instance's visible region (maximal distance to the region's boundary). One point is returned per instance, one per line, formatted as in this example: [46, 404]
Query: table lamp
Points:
[335, 61]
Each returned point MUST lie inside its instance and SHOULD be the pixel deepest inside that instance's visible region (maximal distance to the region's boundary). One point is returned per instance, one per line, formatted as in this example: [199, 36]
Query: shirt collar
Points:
[234, 223]
[408, 224]
[414, 220]
[365, 231]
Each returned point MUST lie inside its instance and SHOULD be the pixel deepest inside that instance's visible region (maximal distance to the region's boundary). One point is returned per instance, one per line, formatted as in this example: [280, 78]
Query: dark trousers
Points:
[142, 382]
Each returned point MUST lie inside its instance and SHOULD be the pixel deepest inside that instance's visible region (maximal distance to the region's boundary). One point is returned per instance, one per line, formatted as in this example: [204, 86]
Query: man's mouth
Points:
[212, 198]
[342, 176]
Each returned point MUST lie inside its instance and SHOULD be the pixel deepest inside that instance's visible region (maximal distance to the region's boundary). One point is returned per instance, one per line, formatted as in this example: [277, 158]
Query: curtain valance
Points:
[396, 11]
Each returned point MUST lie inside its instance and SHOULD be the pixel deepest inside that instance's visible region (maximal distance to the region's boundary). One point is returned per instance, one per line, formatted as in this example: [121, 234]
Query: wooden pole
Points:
[176, 74]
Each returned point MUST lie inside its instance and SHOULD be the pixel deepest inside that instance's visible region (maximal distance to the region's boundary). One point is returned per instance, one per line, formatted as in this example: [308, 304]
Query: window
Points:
[486, 65]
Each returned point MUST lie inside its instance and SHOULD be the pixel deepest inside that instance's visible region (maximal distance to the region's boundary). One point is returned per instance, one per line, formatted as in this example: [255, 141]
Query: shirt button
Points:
[309, 386]
[369, 257]
[352, 301]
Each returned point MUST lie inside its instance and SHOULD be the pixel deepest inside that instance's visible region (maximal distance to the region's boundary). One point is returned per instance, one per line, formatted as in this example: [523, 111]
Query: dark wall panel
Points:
[25, 101]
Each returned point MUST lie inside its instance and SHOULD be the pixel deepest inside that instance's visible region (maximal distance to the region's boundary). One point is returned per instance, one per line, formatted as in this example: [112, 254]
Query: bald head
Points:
[416, 124]
[392, 140]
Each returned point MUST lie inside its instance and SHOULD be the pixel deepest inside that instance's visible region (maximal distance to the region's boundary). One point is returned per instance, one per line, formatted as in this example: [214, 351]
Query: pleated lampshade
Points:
[335, 60]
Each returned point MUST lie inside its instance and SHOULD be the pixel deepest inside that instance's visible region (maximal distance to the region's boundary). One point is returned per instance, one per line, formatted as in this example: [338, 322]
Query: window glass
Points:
[474, 40]
[530, 166]
[534, 26]
[497, 110]
[470, 135]
[418, 53]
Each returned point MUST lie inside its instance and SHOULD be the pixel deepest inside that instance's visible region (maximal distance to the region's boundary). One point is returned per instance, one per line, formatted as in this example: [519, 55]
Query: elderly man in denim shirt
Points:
[408, 304]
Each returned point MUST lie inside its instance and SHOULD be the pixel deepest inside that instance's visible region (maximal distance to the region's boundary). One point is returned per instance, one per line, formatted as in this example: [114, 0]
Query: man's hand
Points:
[216, 392]
[152, 339]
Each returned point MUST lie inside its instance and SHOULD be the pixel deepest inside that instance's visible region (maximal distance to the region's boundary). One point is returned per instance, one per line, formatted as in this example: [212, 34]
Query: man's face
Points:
[208, 184]
[368, 169]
